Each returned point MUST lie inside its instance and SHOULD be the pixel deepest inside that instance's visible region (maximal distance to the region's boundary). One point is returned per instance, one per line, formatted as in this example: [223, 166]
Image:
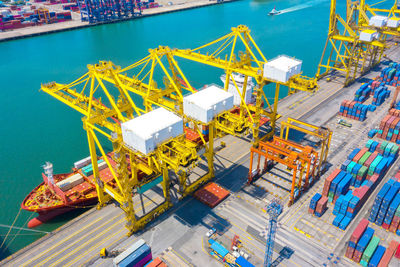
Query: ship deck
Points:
[178, 236]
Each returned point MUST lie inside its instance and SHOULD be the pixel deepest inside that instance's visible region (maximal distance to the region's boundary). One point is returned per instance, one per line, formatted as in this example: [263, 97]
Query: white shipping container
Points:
[102, 165]
[207, 103]
[282, 68]
[378, 21]
[393, 22]
[70, 182]
[82, 163]
[368, 35]
[146, 132]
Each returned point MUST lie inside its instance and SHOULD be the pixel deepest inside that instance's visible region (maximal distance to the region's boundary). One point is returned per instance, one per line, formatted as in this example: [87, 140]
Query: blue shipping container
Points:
[364, 240]
[377, 256]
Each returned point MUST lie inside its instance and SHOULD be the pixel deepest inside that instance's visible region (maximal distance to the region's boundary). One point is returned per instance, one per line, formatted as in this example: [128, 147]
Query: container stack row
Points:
[88, 170]
[390, 75]
[25, 18]
[318, 205]
[389, 128]
[380, 95]
[350, 186]
[139, 254]
[363, 93]
[385, 211]
[354, 110]
[363, 247]
[377, 89]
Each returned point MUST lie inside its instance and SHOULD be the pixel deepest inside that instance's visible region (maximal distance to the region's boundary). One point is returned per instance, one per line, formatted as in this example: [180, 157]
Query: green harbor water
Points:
[36, 128]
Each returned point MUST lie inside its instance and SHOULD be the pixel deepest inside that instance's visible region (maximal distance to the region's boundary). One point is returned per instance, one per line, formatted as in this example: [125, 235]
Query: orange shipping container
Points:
[157, 262]
[384, 262]
[211, 194]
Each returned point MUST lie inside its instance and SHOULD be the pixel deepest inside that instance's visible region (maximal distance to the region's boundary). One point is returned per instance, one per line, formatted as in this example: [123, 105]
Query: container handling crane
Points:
[356, 42]
[274, 209]
[108, 96]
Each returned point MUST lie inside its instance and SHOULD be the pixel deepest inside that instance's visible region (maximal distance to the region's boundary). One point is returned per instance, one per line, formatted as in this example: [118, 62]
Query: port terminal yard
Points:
[179, 235]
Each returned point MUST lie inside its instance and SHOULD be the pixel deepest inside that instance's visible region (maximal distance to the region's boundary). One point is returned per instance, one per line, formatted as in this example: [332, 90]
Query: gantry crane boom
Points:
[349, 54]
[108, 95]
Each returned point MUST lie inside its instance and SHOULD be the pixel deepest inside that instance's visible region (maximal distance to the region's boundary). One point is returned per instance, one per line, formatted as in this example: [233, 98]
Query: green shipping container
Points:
[383, 145]
[398, 211]
[375, 163]
[364, 158]
[395, 149]
[369, 251]
[363, 171]
[389, 147]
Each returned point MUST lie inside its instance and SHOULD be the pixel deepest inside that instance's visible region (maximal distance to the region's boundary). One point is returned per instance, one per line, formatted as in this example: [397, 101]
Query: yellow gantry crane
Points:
[350, 53]
[108, 96]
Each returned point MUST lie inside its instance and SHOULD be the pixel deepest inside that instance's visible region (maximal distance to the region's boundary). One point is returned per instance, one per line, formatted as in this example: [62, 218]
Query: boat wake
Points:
[301, 6]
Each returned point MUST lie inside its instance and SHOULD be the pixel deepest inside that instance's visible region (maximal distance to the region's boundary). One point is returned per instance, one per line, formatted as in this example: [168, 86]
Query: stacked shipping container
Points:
[363, 169]
[318, 205]
[385, 211]
[25, 18]
[363, 247]
[390, 126]
[353, 110]
[390, 75]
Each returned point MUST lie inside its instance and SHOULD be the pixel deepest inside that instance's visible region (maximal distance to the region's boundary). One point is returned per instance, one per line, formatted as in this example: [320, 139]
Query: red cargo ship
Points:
[60, 193]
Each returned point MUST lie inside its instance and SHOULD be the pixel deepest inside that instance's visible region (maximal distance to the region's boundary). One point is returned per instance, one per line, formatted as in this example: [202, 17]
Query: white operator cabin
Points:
[378, 21]
[146, 132]
[282, 68]
[393, 22]
[369, 35]
[207, 103]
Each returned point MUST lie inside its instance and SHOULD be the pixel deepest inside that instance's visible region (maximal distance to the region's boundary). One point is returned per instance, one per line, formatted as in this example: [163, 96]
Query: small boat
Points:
[274, 12]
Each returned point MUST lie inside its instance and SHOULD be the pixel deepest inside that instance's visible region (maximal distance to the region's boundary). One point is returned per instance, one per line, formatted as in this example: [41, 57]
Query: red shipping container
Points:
[321, 204]
[357, 256]
[211, 194]
[371, 158]
[374, 178]
[157, 262]
[395, 122]
[328, 181]
[385, 226]
[383, 122]
[385, 260]
[390, 121]
[310, 211]
[395, 224]
[397, 176]
[397, 254]
[359, 231]
[335, 198]
[349, 252]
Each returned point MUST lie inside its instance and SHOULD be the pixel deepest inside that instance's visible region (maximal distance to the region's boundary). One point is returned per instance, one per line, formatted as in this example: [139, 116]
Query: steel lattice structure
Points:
[108, 95]
[274, 209]
[344, 51]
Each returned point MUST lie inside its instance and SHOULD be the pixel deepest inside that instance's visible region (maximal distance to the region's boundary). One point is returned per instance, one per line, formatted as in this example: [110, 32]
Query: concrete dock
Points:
[76, 23]
[179, 235]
